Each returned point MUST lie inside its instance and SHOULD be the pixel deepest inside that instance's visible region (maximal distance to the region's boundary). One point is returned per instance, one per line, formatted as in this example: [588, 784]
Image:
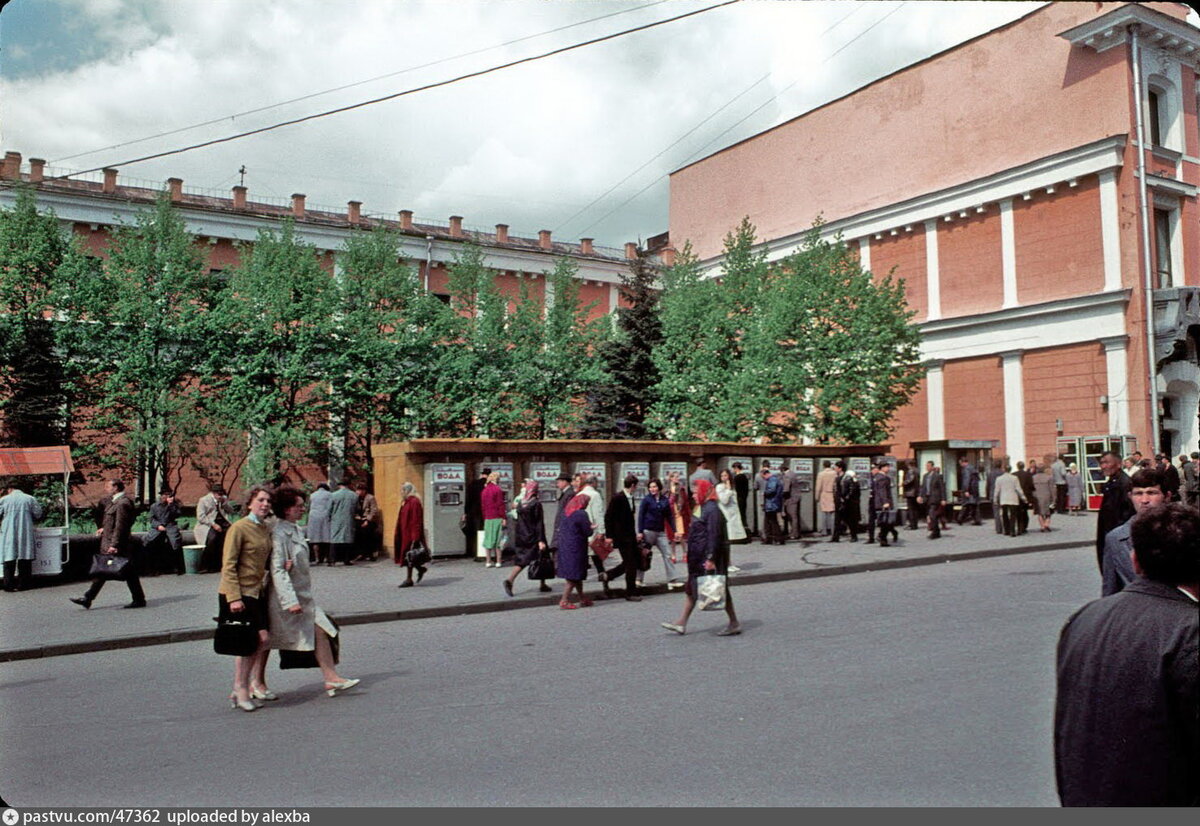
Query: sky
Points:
[580, 143]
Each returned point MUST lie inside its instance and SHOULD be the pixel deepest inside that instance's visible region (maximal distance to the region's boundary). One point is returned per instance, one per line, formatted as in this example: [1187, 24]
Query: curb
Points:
[367, 617]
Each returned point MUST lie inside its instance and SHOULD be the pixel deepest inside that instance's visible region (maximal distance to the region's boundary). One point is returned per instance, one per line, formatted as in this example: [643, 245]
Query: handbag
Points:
[710, 592]
[602, 546]
[308, 659]
[109, 566]
[542, 567]
[418, 555]
[235, 637]
[647, 557]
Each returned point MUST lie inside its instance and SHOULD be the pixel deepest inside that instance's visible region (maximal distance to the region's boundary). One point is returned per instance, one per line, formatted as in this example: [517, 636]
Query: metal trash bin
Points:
[191, 558]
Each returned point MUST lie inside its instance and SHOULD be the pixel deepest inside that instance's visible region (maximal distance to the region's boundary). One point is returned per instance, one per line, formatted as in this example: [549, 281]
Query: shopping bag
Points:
[710, 592]
[542, 567]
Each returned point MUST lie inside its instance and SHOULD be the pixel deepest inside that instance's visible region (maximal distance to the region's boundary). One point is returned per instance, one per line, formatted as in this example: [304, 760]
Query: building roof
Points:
[35, 461]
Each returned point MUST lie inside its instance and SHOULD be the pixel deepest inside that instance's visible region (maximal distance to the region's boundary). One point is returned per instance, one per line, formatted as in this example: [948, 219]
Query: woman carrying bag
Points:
[529, 534]
[298, 623]
[240, 594]
[707, 553]
[410, 533]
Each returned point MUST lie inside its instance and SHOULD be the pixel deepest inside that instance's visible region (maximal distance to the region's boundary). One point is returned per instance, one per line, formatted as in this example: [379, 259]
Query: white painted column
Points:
[1014, 406]
[864, 252]
[1008, 252]
[1110, 230]
[1116, 351]
[935, 392]
[614, 298]
[933, 286]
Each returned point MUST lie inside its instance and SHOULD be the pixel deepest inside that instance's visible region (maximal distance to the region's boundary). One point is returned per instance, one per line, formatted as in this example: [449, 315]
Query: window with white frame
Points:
[1162, 113]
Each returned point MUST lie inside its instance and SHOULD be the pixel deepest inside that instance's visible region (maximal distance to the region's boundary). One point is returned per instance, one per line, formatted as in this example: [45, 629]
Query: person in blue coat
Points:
[772, 505]
[572, 556]
[707, 553]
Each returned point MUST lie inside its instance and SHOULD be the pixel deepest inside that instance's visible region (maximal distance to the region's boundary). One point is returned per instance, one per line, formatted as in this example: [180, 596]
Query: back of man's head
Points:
[1166, 543]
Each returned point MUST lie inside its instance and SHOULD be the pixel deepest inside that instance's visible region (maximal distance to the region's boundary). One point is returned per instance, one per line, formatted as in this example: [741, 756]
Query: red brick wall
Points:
[222, 255]
[969, 266]
[1063, 383]
[974, 392]
[905, 252]
[594, 291]
[911, 422]
[1060, 251]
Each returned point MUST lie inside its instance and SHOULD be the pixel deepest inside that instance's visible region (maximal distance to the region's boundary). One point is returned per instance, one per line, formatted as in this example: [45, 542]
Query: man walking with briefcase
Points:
[115, 538]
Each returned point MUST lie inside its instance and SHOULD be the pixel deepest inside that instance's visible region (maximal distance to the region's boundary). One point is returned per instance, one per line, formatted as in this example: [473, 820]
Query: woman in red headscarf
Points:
[572, 559]
[529, 534]
[707, 553]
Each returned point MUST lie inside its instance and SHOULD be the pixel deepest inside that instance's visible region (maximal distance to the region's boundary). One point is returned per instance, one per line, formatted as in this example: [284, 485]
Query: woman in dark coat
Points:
[573, 551]
[707, 553]
[529, 534]
[410, 531]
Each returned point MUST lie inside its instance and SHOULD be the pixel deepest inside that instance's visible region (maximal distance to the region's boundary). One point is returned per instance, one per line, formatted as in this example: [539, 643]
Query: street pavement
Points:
[42, 622]
[926, 686]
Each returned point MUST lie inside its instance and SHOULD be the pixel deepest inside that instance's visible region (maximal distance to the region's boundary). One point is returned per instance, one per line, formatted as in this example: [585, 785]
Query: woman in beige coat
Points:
[297, 623]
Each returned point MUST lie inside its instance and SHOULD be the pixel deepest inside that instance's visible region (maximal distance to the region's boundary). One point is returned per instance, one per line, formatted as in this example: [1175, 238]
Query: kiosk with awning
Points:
[52, 461]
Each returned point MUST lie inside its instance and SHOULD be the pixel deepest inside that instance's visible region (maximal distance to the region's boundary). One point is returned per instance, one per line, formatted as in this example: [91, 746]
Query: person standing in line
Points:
[741, 484]
[735, 531]
[214, 515]
[1059, 470]
[849, 503]
[772, 491]
[342, 505]
[1008, 498]
[164, 531]
[366, 524]
[825, 491]
[565, 493]
[933, 496]
[681, 517]
[1170, 477]
[115, 534]
[701, 472]
[240, 594]
[572, 554]
[1044, 493]
[410, 533]
[1191, 479]
[472, 518]
[1116, 566]
[492, 509]
[1025, 480]
[912, 492]
[1074, 489]
[529, 534]
[1115, 505]
[882, 507]
[18, 542]
[653, 518]
[296, 622]
[708, 553]
[620, 527]
[1126, 728]
[969, 483]
[791, 502]
[317, 528]
[996, 471]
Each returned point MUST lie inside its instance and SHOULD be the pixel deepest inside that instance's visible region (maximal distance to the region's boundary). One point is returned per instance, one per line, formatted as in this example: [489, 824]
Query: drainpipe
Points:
[1148, 281]
[428, 259]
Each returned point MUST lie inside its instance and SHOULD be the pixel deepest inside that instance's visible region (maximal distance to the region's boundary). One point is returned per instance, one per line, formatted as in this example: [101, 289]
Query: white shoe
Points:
[733, 569]
[671, 586]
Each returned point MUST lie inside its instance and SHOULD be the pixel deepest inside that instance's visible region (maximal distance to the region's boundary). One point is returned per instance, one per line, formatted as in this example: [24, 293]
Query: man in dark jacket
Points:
[1025, 480]
[164, 542]
[848, 503]
[772, 488]
[968, 483]
[1171, 482]
[933, 496]
[1126, 728]
[472, 518]
[1116, 566]
[1115, 505]
[741, 484]
[881, 509]
[620, 527]
[115, 538]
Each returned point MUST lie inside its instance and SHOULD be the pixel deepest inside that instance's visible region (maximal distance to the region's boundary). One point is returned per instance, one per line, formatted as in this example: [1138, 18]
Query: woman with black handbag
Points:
[247, 548]
[297, 622]
[529, 534]
[409, 540]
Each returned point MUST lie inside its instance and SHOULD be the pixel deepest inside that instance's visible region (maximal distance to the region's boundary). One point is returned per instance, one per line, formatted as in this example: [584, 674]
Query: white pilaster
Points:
[935, 392]
[1014, 406]
[933, 286]
[864, 252]
[1116, 350]
[614, 297]
[1008, 253]
[1110, 230]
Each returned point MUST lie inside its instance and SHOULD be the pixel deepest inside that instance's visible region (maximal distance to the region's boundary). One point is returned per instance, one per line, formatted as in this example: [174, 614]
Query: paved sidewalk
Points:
[43, 623]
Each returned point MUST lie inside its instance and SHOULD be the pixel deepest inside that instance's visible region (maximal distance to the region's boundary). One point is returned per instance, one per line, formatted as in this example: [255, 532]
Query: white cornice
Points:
[905, 216]
[1112, 29]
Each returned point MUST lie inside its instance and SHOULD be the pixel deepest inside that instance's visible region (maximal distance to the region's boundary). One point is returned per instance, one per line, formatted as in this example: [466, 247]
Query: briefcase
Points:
[109, 566]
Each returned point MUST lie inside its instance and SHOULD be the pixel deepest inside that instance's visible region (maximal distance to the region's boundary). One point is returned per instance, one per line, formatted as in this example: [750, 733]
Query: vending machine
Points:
[546, 474]
[597, 469]
[861, 465]
[751, 519]
[639, 469]
[802, 488]
[445, 496]
[757, 485]
[507, 484]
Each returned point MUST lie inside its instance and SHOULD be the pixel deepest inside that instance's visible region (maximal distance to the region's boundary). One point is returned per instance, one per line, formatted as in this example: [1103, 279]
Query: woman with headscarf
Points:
[1074, 489]
[410, 531]
[1043, 491]
[491, 502]
[707, 553]
[529, 534]
[572, 557]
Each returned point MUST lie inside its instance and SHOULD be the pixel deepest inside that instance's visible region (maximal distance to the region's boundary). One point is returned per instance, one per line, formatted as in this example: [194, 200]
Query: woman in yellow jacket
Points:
[248, 544]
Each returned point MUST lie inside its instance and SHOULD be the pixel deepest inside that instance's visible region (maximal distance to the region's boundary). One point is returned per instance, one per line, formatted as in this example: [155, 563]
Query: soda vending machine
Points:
[802, 488]
[751, 517]
[639, 469]
[546, 474]
[507, 484]
[445, 496]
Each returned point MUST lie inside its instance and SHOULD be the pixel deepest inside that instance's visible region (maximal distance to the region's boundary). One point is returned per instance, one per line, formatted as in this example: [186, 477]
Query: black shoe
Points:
[633, 598]
[870, 541]
[508, 588]
[141, 604]
[406, 584]
[883, 544]
[420, 573]
[545, 589]
[347, 563]
[84, 601]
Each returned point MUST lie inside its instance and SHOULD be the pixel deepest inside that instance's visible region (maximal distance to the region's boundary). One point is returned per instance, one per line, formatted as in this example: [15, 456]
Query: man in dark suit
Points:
[847, 503]
[933, 496]
[472, 518]
[1171, 482]
[1126, 731]
[1115, 505]
[621, 528]
[115, 538]
[968, 483]
[741, 484]
[1025, 481]
[163, 548]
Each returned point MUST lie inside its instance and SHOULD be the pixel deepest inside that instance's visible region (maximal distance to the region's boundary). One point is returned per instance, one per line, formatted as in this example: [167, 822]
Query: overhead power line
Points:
[413, 91]
[356, 83]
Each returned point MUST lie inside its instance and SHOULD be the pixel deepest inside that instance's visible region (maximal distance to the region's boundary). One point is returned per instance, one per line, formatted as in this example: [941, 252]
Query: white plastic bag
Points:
[710, 592]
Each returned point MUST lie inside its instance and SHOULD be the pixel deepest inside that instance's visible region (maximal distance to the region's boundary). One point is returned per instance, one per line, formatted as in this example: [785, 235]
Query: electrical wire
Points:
[394, 95]
[344, 87]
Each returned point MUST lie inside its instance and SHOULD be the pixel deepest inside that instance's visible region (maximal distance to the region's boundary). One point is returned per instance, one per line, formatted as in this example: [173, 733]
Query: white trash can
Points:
[51, 552]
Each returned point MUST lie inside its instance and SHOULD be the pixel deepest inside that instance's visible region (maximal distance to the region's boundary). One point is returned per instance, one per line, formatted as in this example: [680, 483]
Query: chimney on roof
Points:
[239, 197]
[501, 233]
[668, 256]
[10, 170]
[631, 250]
[354, 211]
[456, 226]
[585, 246]
[175, 185]
[37, 170]
[298, 204]
[406, 219]
[544, 239]
[110, 180]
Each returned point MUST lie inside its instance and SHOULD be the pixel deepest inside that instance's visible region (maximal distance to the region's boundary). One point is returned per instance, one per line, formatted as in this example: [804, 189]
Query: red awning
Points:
[35, 461]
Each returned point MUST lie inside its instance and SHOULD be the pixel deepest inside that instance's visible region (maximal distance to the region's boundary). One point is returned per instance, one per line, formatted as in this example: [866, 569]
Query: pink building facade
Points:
[1036, 189]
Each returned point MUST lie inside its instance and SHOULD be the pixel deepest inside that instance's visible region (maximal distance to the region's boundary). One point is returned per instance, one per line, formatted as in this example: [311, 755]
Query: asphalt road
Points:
[929, 686]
